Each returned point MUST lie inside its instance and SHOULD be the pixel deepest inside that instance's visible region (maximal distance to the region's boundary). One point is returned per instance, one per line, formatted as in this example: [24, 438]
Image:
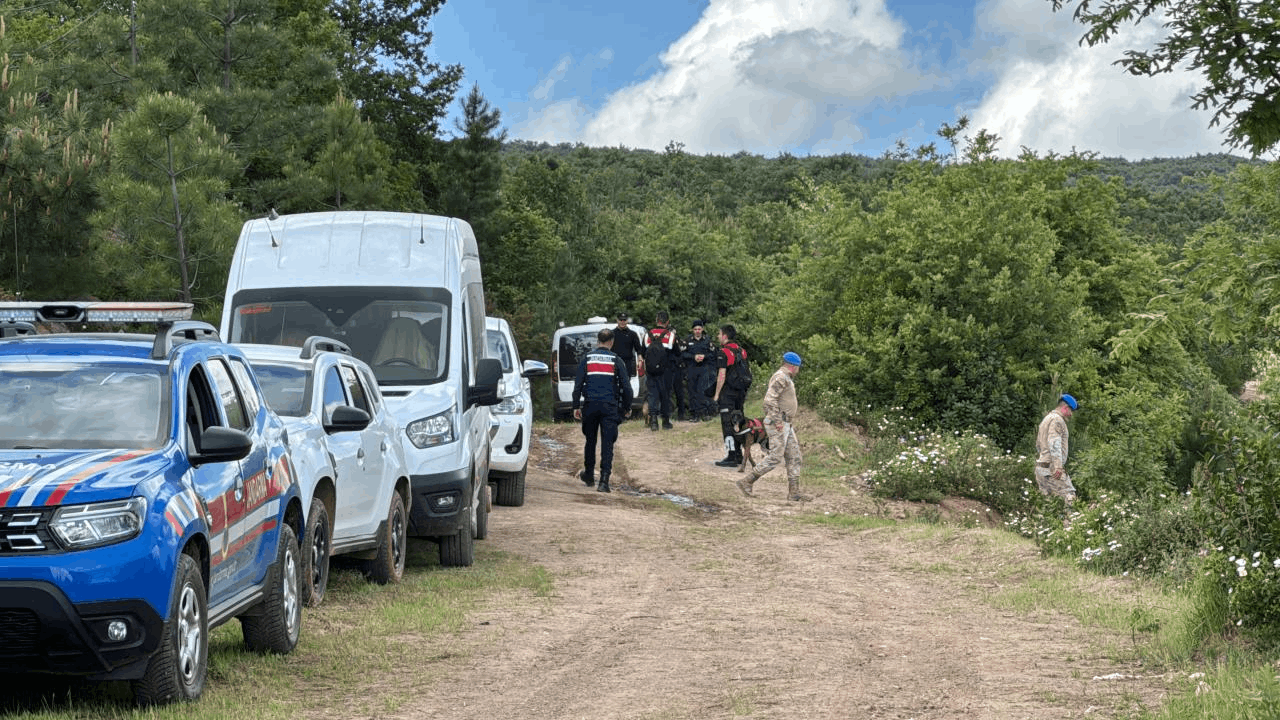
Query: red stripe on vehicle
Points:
[173, 520]
[250, 536]
[61, 489]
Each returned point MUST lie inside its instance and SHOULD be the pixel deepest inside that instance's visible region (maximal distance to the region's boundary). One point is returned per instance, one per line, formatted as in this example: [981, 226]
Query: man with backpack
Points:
[733, 379]
[659, 369]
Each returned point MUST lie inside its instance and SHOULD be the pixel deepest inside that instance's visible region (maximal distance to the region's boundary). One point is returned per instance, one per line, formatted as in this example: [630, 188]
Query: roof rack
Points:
[318, 343]
[9, 329]
[170, 335]
[76, 311]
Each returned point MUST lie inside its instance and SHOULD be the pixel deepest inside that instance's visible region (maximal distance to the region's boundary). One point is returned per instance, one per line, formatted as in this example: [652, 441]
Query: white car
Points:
[509, 456]
[568, 346]
[350, 465]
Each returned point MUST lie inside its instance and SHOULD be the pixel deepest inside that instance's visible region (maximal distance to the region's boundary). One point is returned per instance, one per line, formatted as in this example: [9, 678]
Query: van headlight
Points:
[513, 405]
[431, 431]
[86, 526]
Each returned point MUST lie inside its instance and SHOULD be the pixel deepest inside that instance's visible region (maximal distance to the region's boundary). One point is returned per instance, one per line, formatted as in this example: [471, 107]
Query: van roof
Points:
[351, 248]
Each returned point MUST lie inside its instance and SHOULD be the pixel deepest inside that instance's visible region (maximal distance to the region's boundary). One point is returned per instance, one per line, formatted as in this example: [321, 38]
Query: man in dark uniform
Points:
[679, 381]
[602, 379]
[626, 345]
[728, 396]
[699, 363]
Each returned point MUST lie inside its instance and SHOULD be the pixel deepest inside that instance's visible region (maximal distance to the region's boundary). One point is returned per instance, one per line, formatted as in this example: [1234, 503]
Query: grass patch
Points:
[351, 655]
[854, 523]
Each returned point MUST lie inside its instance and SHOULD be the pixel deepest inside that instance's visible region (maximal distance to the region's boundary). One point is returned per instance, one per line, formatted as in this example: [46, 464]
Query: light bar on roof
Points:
[95, 312]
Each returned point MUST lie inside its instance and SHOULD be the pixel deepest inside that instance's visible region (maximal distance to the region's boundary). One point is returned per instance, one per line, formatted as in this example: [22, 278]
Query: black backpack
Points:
[655, 356]
[738, 377]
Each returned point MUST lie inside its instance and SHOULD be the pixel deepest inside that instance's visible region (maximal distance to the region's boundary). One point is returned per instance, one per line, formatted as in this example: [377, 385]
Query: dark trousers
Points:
[660, 393]
[700, 379]
[730, 401]
[599, 418]
[679, 392]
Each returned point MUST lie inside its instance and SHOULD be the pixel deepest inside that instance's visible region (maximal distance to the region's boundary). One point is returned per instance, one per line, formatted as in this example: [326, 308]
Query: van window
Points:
[403, 333]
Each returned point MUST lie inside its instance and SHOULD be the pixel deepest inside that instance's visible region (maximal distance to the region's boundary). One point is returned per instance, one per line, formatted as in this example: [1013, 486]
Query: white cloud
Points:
[546, 86]
[761, 76]
[555, 122]
[1050, 93]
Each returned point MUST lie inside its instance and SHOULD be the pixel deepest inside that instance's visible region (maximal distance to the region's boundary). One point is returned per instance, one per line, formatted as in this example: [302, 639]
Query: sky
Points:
[814, 77]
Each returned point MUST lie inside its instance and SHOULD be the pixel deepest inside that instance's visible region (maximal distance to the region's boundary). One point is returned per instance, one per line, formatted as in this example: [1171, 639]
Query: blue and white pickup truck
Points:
[146, 496]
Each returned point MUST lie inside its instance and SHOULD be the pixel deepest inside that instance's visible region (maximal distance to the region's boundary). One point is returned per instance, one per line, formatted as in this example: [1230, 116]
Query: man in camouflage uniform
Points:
[780, 408]
[1051, 444]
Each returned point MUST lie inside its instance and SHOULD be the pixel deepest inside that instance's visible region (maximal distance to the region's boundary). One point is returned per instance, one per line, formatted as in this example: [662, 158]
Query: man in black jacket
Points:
[628, 346]
[700, 364]
[602, 378]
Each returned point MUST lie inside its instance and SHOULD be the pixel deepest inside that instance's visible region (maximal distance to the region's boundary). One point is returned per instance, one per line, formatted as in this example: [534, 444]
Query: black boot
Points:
[666, 423]
[653, 422]
[680, 417]
[604, 482]
[588, 477]
[733, 458]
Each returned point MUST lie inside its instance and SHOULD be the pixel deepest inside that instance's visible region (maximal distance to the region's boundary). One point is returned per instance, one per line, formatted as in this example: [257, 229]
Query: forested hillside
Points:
[941, 284]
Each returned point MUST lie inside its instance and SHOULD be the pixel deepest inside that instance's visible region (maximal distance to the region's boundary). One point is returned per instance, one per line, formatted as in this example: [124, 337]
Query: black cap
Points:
[623, 316]
[699, 323]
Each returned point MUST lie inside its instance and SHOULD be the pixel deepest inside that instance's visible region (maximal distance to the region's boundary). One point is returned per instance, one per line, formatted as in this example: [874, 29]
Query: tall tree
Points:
[473, 176]
[1232, 44]
[166, 223]
[389, 74]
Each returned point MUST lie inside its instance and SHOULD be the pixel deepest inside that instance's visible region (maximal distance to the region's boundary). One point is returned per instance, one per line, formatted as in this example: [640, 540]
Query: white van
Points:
[404, 292]
[568, 346]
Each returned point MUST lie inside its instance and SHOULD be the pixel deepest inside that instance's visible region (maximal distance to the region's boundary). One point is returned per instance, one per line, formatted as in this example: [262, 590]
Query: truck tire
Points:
[315, 554]
[482, 513]
[275, 623]
[393, 546]
[511, 489]
[178, 669]
[458, 549]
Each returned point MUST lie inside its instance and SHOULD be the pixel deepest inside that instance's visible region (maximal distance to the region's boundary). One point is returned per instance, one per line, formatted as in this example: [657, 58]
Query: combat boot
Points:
[653, 422]
[745, 484]
[588, 477]
[666, 423]
[604, 483]
[793, 491]
[681, 417]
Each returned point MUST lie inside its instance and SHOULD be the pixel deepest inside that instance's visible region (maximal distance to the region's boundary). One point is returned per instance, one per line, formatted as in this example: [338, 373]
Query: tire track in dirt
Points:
[746, 613]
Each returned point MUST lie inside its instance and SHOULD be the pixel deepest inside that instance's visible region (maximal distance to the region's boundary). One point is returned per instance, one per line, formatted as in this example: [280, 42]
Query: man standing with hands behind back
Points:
[602, 378]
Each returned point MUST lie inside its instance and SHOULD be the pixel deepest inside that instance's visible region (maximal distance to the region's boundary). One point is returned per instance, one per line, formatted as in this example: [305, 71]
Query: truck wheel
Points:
[315, 557]
[393, 546]
[458, 549]
[178, 669]
[274, 625]
[511, 489]
[482, 512]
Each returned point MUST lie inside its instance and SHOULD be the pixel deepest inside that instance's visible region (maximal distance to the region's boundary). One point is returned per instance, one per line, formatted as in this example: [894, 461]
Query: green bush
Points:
[927, 466]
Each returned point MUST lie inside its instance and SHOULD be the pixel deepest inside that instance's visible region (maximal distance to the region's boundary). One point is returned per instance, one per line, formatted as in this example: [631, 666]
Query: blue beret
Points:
[791, 358]
[1070, 401]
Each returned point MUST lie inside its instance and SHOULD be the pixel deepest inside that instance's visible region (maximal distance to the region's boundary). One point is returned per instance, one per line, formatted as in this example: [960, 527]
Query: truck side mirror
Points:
[488, 378]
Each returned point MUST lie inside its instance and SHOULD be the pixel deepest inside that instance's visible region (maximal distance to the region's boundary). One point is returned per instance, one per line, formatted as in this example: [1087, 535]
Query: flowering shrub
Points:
[1252, 585]
[926, 466]
[1154, 535]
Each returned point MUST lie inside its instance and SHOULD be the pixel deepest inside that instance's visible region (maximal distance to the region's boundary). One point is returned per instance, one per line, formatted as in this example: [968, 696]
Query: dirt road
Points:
[739, 608]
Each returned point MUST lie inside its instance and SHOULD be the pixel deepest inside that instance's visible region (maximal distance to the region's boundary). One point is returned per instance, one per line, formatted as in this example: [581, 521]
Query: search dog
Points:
[749, 431]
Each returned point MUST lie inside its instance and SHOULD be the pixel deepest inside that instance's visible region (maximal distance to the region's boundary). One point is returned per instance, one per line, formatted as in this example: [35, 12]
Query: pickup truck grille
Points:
[24, 531]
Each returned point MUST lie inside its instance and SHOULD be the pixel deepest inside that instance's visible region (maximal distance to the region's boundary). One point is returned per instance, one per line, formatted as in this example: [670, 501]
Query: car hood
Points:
[68, 477]
[407, 403]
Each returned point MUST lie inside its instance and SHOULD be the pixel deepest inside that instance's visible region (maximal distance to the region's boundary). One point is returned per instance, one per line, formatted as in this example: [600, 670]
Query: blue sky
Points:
[813, 76]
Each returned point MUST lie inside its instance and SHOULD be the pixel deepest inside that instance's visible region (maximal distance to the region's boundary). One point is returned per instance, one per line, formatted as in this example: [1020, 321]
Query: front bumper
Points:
[41, 631]
[440, 503]
[510, 451]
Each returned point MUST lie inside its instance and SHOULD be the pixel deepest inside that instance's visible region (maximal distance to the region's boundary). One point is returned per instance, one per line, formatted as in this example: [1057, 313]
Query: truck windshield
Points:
[73, 406]
[402, 333]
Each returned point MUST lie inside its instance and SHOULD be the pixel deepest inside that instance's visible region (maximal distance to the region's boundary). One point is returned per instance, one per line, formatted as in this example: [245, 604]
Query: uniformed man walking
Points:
[602, 379]
[1051, 446]
[731, 388]
[780, 408]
